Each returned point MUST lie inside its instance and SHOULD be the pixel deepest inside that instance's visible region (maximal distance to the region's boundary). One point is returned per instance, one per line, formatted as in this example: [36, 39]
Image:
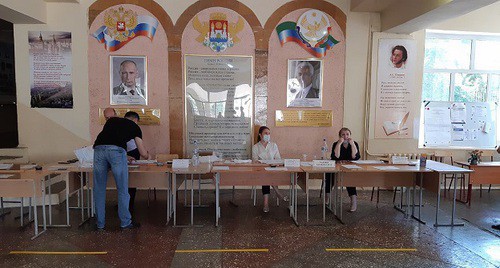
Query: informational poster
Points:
[219, 92]
[395, 89]
[304, 118]
[50, 69]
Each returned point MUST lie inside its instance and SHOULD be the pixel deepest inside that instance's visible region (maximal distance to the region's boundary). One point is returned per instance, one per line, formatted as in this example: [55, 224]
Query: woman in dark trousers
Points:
[345, 149]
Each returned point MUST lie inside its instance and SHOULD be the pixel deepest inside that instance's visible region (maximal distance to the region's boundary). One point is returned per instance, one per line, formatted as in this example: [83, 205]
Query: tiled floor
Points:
[247, 227]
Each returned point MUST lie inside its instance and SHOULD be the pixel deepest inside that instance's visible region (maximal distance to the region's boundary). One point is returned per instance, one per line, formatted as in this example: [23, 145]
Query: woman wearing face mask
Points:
[345, 149]
[265, 149]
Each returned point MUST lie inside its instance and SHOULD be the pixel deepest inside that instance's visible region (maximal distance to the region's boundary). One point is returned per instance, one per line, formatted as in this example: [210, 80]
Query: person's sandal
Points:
[266, 209]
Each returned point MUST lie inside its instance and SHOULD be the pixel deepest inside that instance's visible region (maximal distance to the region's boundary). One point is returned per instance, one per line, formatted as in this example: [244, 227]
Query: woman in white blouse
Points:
[265, 149]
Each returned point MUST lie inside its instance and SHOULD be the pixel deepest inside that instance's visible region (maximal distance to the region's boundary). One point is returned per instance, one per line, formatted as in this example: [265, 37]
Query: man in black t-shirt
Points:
[110, 152]
[132, 151]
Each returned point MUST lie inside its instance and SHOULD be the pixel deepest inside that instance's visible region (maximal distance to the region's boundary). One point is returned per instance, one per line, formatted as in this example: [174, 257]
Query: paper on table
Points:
[220, 168]
[143, 162]
[5, 176]
[351, 166]
[276, 169]
[238, 161]
[6, 166]
[60, 167]
[85, 155]
[306, 164]
[386, 167]
[368, 162]
[272, 162]
[25, 167]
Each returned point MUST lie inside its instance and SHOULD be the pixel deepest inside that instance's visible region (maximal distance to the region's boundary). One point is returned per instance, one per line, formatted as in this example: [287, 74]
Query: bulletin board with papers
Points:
[459, 124]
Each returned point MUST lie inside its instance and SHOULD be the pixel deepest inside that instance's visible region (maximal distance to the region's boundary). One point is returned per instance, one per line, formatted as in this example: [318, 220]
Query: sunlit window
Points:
[461, 67]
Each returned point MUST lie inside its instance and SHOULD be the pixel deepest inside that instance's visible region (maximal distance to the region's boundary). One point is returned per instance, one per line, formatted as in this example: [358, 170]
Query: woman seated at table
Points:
[265, 149]
[345, 149]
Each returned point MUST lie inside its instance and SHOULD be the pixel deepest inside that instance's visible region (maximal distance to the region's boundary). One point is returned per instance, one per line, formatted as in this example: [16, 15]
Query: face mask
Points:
[267, 138]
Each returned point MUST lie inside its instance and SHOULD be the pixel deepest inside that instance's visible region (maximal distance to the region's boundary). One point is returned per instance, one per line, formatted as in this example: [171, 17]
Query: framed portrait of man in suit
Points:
[304, 83]
[128, 80]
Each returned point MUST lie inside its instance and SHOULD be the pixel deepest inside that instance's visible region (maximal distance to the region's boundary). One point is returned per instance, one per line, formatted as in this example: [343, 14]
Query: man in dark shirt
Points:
[110, 152]
[133, 151]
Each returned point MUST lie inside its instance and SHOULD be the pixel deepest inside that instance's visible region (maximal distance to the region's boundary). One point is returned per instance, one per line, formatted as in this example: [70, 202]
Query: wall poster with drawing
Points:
[396, 89]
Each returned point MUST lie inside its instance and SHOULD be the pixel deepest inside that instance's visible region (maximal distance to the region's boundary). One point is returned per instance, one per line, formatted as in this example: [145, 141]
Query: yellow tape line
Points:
[59, 252]
[221, 250]
[372, 249]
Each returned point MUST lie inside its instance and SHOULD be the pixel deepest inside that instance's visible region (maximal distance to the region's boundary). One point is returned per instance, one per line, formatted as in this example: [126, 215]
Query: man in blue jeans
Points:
[110, 152]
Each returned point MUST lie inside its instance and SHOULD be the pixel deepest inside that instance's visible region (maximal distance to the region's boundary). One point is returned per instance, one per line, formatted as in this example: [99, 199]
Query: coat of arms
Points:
[122, 25]
[218, 34]
[311, 31]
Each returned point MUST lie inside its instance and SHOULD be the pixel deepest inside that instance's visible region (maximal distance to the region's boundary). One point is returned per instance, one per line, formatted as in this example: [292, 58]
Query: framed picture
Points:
[305, 83]
[128, 80]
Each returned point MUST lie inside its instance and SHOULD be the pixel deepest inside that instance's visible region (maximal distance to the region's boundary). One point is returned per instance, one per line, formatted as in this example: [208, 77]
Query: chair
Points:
[444, 157]
[411, 156]
[162, 158]
[488, 156]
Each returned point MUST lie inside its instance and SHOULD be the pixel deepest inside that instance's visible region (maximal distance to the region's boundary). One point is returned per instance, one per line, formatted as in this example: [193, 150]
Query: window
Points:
[461, 67]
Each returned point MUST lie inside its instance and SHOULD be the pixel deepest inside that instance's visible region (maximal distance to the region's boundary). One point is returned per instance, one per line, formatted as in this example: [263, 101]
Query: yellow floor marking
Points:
[372, 249]
[222, 250]
[59, 252]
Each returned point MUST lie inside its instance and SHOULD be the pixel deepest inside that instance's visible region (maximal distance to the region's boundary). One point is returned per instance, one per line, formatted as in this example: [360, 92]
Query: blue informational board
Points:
[459, 124]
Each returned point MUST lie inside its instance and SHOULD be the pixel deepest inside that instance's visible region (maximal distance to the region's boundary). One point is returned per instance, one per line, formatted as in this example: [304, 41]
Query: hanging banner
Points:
[395, 89]
[121, 26]
[50, 69]
[311, 32]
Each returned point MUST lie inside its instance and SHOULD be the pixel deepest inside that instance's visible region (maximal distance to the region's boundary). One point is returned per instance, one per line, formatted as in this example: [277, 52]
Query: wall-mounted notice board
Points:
[459, 124]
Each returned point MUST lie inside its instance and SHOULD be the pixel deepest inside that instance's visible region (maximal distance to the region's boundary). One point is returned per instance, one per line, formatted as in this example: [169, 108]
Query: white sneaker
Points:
[354, 203]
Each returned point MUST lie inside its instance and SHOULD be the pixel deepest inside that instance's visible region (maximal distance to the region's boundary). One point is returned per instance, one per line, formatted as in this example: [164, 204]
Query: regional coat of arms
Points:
[218, 34]
[311, 32]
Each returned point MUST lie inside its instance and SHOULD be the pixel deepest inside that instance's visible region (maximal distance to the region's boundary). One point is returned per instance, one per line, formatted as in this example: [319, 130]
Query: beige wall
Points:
[53, 134]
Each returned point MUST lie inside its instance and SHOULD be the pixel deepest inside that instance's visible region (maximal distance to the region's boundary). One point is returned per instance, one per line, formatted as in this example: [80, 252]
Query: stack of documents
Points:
[5, 166]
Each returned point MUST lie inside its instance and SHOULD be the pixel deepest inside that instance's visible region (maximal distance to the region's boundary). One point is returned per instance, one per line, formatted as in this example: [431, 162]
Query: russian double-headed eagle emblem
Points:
[121, 23]
[218, 34]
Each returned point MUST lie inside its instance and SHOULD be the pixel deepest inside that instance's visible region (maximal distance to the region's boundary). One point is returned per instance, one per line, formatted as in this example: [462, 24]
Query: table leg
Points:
[419, 219]
[217, 208]
[67, 198]
[307, 196]
[192, 200]
[174, 197]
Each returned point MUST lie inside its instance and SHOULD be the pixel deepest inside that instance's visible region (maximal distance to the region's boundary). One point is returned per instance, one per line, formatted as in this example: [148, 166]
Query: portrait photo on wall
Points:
[128, 80]
[305, 83]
